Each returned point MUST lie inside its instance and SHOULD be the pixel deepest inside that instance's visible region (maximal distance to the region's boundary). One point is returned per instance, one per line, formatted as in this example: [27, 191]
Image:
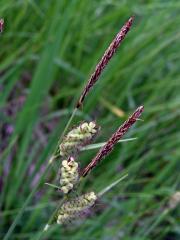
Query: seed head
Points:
[105, 59]
[108, 147]
[77, 138]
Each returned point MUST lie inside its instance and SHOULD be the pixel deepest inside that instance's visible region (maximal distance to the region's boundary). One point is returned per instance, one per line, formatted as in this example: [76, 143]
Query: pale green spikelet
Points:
[69, 175]
[72, 209]
[77, 138]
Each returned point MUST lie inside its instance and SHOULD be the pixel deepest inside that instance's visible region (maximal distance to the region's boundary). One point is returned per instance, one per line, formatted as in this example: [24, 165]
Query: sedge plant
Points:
[69, 146]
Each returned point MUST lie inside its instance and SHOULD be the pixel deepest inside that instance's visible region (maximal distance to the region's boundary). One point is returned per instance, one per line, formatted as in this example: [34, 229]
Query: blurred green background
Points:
[47, 51]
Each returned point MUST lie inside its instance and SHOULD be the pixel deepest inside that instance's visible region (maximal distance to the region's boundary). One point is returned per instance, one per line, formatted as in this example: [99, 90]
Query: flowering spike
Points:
[69, 175]
[105, 59]
[71, 209]
[77, 138]
[107, 148]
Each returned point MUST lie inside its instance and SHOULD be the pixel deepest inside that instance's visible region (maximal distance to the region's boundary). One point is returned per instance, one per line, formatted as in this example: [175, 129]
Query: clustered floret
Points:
[69, 172]
[69, 175]
[77, 138]
[71, 209]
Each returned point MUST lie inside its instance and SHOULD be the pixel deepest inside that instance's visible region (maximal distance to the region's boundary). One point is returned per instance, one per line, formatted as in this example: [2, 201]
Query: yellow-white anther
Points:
[91, 196]
[65, 190]
[69, 175]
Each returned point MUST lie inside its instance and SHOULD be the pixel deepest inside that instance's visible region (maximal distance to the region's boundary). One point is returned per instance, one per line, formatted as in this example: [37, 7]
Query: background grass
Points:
[48, 50]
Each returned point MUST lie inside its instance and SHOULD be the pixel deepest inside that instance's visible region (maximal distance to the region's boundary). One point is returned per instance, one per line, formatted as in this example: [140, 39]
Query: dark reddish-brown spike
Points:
[108, 147]
[105, 59]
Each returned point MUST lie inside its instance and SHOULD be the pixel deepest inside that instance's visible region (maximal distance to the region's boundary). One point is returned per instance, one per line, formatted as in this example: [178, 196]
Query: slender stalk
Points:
[55, 155]
[40, 235]
[54, 213]
[67, 125]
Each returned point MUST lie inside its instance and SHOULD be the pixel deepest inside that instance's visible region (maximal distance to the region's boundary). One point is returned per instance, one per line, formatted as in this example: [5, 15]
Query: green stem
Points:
[54, 213]
[67, 125]
[51, 219]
